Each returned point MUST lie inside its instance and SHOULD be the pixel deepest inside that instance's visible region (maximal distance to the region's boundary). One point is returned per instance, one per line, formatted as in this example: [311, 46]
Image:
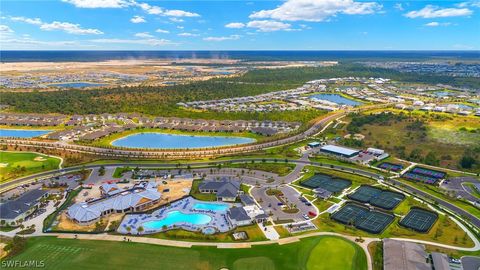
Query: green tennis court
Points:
[419, 219]
[327, 182]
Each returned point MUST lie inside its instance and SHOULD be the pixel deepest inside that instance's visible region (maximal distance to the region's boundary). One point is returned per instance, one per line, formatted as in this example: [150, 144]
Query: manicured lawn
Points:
[435, 191]
[281, 168]
[323, 252]
[444, 231]
[17, 164]
[338, 253]
[194, 192]
[253, 231]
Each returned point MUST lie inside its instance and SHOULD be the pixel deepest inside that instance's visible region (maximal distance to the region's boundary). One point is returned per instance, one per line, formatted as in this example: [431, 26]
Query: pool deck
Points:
[220, 222]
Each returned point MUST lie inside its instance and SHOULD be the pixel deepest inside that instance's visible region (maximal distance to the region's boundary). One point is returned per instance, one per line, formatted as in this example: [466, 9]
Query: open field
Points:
[18, 164]
[280, 168]
[433, 138]
[323, 252]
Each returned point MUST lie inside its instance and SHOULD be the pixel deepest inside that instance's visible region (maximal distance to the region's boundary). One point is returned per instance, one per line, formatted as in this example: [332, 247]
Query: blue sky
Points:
[239, 25]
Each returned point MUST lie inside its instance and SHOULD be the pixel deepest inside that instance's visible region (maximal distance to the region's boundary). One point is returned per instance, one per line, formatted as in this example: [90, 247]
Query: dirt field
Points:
[178, 189]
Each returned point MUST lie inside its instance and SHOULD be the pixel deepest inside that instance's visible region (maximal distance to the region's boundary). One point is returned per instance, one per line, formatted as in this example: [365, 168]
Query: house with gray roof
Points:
[225, 190]
[130, 200]
[19, 208]
[322, 193]
[239, 217]
[403, 255]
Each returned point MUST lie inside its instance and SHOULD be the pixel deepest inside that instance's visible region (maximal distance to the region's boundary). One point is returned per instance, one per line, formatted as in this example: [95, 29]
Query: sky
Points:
[239, 25]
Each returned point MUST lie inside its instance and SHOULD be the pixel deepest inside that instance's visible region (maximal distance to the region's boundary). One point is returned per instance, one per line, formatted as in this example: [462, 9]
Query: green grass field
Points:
[325, 252]
[280, 168]
[17, 164]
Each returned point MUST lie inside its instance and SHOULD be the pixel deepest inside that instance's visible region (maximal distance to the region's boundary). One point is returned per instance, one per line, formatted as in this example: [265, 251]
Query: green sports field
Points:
[17, 164]
[324, 252]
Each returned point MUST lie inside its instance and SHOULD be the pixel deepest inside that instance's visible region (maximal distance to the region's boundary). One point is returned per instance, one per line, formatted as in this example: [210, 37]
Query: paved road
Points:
[180, 153]
[473, 219]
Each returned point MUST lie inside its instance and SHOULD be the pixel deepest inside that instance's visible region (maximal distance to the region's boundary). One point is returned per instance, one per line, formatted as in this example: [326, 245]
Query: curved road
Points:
[207, 152]
[473, 219]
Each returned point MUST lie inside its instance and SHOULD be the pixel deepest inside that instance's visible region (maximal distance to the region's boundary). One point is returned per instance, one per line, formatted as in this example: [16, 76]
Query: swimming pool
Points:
[210, 206]
[177, 217]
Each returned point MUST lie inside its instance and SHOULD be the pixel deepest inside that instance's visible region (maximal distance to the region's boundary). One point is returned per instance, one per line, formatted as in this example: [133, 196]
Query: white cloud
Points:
[435, 24]
[162, 31]
[5, 29]
[177, 20]
[269, 26]
[27, 42]
[143, 35]
[236, 25]
[431, 11]
[156, 10]
[69, 28]
[231, 37]
[150, 42]
[150, 9]
[34, 21]
[188, 35]
[315, 10]
[138, 19]
[399, 6]
[98, 3]
[180, 13]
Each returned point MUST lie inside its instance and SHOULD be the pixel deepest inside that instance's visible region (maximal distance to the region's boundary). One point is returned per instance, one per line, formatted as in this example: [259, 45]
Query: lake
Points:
[336, 99]
[175, 141]
[76, 84]
[22, 133]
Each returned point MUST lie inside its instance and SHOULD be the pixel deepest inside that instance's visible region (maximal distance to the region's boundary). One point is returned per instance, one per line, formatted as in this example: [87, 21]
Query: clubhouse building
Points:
[115, 200]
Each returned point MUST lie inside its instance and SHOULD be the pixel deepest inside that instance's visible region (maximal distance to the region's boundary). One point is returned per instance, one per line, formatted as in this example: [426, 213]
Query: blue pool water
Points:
[177, 217]
[22, 133]
[336, 99]
[171, 141]
[210, 206]
[76, 85]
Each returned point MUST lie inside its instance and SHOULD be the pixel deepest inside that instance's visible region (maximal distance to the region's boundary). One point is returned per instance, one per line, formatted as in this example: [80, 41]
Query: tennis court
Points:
[377, 197]
[420, 178]
[428, 172]
[334, 185]
[390, 166]
[387, 200]
[362, 218]
[365, 193]
[374, 221]
[349, 213]
[419, 219]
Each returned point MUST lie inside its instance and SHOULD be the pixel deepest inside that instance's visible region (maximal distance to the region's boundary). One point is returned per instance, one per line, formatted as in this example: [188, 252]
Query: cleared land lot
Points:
[323, 252]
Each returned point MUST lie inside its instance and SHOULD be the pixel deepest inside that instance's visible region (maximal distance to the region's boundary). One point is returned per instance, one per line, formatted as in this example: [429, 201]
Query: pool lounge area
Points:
[188, 214]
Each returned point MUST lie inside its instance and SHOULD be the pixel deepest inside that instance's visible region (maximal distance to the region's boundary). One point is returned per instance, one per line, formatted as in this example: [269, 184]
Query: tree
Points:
[467, 162]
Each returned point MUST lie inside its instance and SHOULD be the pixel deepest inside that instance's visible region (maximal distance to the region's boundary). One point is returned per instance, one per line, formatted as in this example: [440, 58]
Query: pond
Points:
[22, 133]
[76, 85]
[336, 98]
[175, 141]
